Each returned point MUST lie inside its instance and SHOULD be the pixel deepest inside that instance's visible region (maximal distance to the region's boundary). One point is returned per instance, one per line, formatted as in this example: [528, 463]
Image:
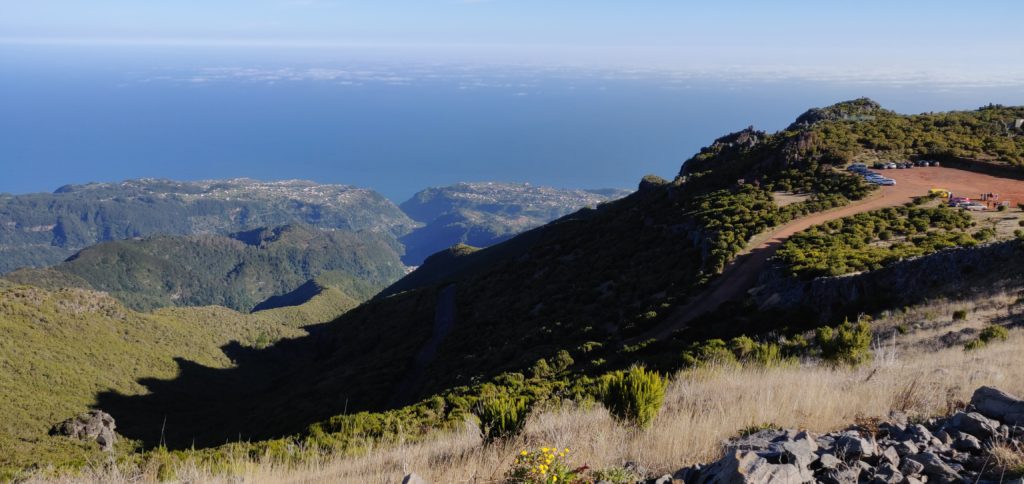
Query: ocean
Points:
[74, 115]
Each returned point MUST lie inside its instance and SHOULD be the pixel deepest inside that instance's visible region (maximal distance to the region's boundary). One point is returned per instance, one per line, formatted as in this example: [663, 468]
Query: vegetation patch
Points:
[872, 240]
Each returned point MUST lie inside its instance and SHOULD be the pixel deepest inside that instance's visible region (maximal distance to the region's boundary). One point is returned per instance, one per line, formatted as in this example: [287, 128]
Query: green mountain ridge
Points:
[243, 271]
[42, 229]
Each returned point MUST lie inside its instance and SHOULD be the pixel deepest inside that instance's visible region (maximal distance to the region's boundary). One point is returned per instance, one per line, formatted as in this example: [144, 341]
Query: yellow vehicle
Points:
[940, 192]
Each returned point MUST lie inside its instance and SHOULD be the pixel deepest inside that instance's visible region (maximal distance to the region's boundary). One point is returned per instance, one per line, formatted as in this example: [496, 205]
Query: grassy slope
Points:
[914, 373]
[61, 348]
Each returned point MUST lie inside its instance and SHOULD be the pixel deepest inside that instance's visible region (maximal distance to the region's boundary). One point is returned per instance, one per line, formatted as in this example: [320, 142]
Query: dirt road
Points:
[741, 275]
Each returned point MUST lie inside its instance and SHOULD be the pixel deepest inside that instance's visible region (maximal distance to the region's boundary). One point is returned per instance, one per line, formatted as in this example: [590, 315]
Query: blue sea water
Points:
[79, 115]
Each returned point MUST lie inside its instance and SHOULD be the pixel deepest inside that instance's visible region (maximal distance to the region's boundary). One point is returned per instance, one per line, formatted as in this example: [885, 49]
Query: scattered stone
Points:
[939, 450]
[95, 425]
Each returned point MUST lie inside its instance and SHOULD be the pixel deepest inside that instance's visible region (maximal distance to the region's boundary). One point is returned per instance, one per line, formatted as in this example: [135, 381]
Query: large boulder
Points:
[94, 425]
[1002, 406]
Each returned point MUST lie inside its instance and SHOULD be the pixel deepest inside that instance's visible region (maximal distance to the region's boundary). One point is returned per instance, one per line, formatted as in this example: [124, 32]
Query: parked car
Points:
[890, 165]
[857, 167]
[878, 166]
[974, 207]
[935, 163]
[887, 182]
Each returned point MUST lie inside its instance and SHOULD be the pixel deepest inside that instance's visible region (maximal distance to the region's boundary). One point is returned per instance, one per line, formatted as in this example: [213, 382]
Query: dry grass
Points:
[702, 408]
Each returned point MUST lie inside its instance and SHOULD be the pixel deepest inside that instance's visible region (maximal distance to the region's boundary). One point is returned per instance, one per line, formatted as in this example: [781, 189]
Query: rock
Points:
[919, 434]
[843, 475]
[665, 479]
[829, 461]
[891, 456]
[975, 424]
[935, 468]
[887, 474]
[911, 467]
[999, 405]
[967, 443]
[799, 453]
[749, 468]
[414, 478]
[93, 425]
[757, 441]
[651, 182]
[906, 448]
[635, 469]
[852, 446]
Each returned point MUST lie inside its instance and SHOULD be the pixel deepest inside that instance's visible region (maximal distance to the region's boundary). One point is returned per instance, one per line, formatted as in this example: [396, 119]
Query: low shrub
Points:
[959, 315]
[501, 417]
[633, 396]
[848, 343]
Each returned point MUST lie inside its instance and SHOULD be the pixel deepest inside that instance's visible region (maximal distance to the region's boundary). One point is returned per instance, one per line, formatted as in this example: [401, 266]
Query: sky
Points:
[903, 35]
[397, 95]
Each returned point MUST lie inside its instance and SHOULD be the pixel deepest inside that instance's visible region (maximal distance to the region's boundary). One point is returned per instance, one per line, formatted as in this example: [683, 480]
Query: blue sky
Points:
[673, 33]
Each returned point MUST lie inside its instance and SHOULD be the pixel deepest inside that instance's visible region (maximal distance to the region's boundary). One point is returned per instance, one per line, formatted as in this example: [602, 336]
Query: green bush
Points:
[501, 417]
[633, 396]
[974, 344]
[848, 343]
[713, 351]
[959, 315]
[994, 333]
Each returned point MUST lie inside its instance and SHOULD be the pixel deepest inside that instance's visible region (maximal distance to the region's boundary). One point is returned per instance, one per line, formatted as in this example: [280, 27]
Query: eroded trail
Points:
[740, 276]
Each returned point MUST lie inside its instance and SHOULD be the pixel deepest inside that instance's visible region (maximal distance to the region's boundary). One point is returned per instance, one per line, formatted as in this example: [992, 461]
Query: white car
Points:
[974, 207]
[887, 182]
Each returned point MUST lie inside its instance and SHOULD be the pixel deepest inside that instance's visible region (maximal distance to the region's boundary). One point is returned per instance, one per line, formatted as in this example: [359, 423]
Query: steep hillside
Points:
[45, 228]
[60, 349]
[483, 214]
[255, 269]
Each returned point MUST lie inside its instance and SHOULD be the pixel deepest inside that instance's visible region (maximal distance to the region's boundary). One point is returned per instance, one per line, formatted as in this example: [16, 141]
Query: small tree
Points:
[633, 396]
[501, 416]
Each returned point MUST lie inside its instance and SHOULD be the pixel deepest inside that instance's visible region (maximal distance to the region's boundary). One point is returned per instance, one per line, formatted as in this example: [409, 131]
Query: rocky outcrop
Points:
[94, 425]
[946, 450]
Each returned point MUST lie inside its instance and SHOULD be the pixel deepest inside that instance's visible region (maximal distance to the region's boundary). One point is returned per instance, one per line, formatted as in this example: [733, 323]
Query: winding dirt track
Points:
[741, 275]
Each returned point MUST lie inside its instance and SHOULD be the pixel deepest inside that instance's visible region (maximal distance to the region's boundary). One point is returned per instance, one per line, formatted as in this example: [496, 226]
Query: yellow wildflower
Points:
[523, 453]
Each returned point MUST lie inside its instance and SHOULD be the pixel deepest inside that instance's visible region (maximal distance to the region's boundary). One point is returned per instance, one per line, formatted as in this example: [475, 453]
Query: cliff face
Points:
[955, 273]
